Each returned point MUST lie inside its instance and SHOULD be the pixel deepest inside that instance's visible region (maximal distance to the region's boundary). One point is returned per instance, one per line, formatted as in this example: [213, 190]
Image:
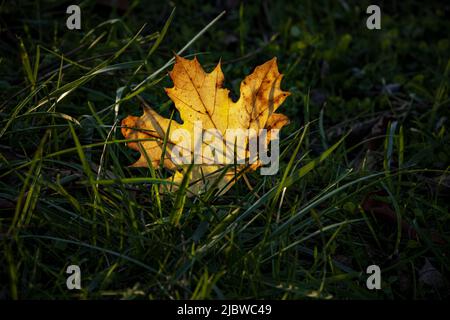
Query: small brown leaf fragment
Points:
[429, 275]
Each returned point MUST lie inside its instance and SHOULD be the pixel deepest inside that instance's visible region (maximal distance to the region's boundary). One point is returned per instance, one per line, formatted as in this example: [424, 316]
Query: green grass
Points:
[363, 172]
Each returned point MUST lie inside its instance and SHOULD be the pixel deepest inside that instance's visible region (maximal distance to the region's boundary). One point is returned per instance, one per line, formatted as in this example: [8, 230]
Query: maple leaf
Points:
[201, 99]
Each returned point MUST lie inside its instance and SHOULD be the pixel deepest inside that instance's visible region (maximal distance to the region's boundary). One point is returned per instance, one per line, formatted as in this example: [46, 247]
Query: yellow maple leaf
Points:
[205, 105]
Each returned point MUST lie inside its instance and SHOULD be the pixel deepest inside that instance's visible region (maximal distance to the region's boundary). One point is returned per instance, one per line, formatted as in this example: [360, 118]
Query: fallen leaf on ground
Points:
[200, 98]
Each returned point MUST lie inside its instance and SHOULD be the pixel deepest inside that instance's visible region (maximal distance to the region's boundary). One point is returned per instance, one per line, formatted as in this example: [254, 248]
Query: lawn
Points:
[363, 170]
